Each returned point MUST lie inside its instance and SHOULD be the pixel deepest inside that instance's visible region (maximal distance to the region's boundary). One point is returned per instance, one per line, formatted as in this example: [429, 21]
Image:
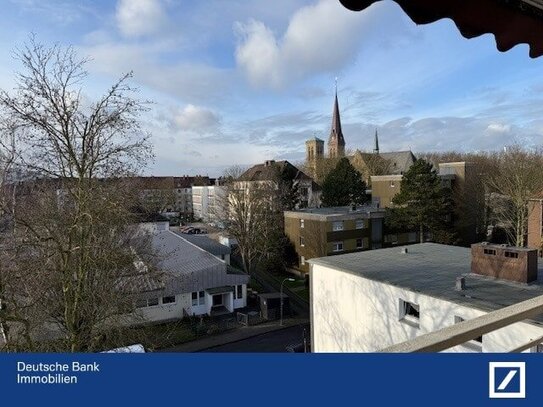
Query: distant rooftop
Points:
[339, 210]
[431, 269]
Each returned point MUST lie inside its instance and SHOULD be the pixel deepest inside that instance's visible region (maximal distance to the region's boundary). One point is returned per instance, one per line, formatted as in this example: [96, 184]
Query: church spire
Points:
[376, 146]
[336, 142]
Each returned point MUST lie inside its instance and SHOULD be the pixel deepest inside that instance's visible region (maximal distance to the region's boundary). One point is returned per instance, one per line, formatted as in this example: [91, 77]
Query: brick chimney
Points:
[504, 262]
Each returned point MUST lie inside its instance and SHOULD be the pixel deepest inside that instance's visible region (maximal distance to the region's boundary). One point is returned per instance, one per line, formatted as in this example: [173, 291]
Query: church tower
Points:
[336, 142]
[314, 149]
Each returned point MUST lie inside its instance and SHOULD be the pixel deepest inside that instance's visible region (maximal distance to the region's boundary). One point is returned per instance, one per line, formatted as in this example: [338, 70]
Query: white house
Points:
[192, 282]
[368, 301]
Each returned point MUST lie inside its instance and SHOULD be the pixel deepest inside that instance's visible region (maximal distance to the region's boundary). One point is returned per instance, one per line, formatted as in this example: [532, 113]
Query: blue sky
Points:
[239, 82]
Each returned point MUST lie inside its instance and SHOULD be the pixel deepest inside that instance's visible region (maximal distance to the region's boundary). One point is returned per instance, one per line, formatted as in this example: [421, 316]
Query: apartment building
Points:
[371, 300]
[208, 202]
[318, 232]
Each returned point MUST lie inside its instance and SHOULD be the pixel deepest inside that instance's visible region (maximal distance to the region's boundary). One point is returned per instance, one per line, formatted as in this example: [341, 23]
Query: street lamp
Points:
[282, 282]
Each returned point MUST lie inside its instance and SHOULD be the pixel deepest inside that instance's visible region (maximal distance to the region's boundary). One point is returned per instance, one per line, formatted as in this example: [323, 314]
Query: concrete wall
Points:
[352, 314]
[164, 312]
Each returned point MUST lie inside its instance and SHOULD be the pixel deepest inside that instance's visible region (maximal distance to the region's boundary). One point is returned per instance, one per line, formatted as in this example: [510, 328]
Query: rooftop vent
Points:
[404, 250]
[460, 283]
[269, 163]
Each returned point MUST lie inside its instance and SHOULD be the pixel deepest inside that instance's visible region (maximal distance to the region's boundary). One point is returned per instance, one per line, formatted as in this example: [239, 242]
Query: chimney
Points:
[269, 163]
[504, 262]
[460, 284]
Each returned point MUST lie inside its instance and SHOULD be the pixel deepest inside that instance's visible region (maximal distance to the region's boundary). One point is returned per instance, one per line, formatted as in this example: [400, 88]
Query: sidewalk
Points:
[234, 335]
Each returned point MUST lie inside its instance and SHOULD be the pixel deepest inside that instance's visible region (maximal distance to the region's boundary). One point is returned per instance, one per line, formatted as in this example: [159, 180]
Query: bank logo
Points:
[507, 380]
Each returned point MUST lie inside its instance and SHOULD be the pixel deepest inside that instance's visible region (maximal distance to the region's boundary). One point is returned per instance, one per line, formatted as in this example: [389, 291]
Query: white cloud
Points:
[319, 38]
[197, 119]
[136, 18]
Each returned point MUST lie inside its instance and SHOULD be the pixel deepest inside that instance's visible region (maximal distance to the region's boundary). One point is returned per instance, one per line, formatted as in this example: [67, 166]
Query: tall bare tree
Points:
[73, 242]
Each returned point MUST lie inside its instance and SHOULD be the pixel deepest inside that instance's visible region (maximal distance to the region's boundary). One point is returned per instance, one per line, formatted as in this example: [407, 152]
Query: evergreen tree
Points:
[423, 203]
[343, 186]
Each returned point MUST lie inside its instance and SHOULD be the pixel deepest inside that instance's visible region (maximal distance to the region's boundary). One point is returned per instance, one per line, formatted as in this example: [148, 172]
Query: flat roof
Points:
[206, 243]
[431, 269]
[338, 211]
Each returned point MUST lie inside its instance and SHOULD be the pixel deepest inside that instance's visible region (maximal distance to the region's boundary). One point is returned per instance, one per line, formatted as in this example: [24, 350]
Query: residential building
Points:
[535, 224]
[207, 202]
[369, 301]
[271, 173]
[468, 197]
[318, 232]
[170, 195]
[192, 281]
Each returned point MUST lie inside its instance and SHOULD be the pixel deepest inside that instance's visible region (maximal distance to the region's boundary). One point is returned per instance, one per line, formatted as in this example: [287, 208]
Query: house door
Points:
[217, 300]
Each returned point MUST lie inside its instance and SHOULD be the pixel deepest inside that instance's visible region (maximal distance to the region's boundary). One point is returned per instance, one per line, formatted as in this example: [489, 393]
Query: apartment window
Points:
[391, 239]
[151, 302]
[240, 291]
[301, 223]
[168, 300]
[512, 255]
[337, 246]
[359, 243]
[412, 237]
[302, 241]
[141, 303]
[302, 260]
[359, 224]
[409, 312]
[337, 226]
[491, 252]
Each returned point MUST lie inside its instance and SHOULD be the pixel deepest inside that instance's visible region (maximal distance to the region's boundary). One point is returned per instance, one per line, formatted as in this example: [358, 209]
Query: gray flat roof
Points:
[206, 243]
[432, 269]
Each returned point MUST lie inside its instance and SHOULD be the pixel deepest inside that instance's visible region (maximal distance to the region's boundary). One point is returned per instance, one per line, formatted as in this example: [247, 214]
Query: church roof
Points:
[270, 170]
[400, 161]
[512, 22]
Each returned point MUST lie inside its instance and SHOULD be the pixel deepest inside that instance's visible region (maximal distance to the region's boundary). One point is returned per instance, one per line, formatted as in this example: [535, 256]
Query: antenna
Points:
[336, 84]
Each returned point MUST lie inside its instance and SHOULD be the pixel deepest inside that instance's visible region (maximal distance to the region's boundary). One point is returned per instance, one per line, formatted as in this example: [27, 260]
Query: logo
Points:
[507, 380]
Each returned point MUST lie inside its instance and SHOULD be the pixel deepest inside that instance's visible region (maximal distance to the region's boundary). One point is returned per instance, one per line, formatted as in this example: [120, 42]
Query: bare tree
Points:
[73, 243]
[517, 178]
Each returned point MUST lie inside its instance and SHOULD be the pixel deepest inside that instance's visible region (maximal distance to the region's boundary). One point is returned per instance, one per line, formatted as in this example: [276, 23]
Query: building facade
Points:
[208, 202]
[322, 232]
[368, 301]
[193, 282]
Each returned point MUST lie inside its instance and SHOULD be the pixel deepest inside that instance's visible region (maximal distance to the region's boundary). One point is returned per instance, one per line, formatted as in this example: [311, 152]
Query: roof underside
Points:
[512, 22]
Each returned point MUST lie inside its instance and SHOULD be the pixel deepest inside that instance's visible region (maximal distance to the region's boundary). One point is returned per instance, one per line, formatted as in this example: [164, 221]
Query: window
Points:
[141, 303]
[302, 241]
[301, 223]
[151, 302]
[168, 300]
[409, 312]
[477, 341]
[359, 224]
[359, 243]
[337, 226]
[391, 239]
[337, 246]
[240, 291]
[492, 252]
[302, 260]
[194, 299]
[202, 299]
[538, 348]
[412, 237]
[512, 255]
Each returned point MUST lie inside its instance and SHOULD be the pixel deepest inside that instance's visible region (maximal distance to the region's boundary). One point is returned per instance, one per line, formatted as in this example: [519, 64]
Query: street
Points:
[276, 341]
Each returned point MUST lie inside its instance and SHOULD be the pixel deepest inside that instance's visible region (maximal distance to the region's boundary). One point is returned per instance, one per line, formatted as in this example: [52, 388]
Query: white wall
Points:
[242, 302]
[352, 314]
[163, 312]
